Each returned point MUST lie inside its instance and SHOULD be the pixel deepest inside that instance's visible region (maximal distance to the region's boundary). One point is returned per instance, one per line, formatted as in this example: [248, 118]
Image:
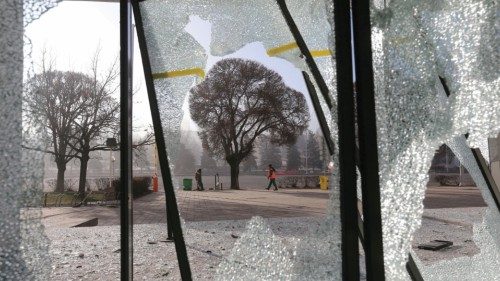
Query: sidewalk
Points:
[239, 204]
[200, 206]
[214, 222]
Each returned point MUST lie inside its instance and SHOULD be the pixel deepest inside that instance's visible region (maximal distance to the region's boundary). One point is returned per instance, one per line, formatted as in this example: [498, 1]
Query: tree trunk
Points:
[61, 169]
[235, 171]
[83, 174]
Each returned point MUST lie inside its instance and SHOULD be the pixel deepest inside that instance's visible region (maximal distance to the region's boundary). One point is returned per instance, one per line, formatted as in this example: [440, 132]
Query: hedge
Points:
[140, 186]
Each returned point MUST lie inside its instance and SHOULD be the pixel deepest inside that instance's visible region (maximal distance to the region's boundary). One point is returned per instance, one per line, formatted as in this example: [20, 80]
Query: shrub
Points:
[140, 187]
[447, 180]
[101, 183]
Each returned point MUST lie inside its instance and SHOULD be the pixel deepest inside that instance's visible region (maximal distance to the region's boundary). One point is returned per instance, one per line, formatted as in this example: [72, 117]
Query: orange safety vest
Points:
[272, 174]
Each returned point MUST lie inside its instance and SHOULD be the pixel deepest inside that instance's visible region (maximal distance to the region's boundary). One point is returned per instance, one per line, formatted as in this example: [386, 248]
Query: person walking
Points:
[271, 176]
[199, 183]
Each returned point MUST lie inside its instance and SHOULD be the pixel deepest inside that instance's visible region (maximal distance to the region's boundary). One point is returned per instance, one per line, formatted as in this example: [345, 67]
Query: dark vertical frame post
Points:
[480, 161]
[126, 51]
[345, 108]
[174, 223]
[488, 178]
[319, 112]
[412, 269]
[305, 52]
[367, 132]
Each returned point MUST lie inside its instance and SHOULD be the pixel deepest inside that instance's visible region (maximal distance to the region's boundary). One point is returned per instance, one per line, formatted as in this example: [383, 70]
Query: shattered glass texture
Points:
[235, 24]
[318, 257]
[327, 70]
[171, 94]
[492, 218]
[415, 42]
[33, 9]
[311, 18]
[468, 268]
[272, 261]
[170, 47]
[23, 245]
[469, 61]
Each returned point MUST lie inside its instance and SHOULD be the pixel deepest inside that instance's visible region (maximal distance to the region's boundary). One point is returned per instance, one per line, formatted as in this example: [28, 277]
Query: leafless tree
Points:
[55, 99]
[99, 116]
[240, 100]
[78, 111]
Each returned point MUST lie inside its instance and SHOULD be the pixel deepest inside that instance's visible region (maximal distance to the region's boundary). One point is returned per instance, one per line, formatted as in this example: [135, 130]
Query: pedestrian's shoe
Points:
[275, 189]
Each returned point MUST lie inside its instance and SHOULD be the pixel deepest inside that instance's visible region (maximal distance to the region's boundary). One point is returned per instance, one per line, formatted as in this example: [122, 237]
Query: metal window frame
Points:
[367, 132]
[126, 215]
[173, 217]
[368, 231]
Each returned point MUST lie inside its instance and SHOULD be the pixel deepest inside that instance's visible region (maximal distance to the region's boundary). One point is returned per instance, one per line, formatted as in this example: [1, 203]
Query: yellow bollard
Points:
[323, 182]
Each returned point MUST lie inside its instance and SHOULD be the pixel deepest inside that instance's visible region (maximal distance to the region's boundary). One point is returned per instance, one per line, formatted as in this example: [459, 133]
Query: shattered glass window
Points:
[179, 62]
[23, 244]
[424, 51]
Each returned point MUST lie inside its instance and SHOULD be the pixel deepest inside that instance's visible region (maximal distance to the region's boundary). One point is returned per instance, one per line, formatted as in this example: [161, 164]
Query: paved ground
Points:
[212, 215]
[201, 206]
[453, 197]
[240, 204]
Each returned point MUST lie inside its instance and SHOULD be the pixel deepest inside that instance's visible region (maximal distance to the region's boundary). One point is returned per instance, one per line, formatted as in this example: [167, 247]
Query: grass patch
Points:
[52, 199]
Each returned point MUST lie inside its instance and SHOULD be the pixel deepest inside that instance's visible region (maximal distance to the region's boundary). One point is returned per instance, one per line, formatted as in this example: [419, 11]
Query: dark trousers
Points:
[272, 182]
[199, 185]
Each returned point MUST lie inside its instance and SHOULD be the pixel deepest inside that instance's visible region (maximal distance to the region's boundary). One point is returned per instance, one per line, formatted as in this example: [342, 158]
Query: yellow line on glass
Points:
[198, 71]
[281, 49]
[293, 45]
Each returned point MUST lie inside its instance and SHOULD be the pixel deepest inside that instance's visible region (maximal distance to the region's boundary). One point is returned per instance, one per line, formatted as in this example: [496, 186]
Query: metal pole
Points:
[126, 226]
[305, 51]
[446, 157]
[173, 218]
[307, 152]
[319, 113]
[367, 132]
[412, 269]
[110, 169]
[460, 174]
[488, 178]
[345, 109]
[112, 165]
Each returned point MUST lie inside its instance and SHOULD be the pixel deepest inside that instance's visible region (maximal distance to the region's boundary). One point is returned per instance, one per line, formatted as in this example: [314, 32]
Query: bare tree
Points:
[56, 99]
[78, 111]
[240, 100]
[97, 118]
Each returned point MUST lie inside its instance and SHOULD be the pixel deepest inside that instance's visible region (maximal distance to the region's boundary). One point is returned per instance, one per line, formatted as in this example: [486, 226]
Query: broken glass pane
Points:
[23, 244]
[179, 63]
[421, 51]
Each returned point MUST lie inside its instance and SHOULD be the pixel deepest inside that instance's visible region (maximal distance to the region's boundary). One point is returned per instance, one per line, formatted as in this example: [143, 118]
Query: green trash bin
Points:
[187, 183]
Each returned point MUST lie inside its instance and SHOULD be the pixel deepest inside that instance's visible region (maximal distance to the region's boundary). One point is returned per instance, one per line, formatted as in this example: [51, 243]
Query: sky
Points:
[73, 31]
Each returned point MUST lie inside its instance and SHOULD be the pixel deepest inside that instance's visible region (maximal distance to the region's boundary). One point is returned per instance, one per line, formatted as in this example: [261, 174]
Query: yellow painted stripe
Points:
[271, 52]
[292, 45]
[181, 72]
[281, 49]
[321, 53]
